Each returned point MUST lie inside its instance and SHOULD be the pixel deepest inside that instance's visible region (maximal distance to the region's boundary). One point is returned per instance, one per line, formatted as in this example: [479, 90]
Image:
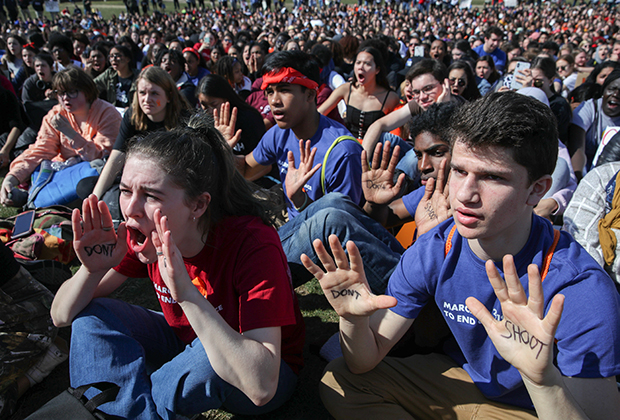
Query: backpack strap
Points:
[449, 241]
[324, 165]
[549, 255]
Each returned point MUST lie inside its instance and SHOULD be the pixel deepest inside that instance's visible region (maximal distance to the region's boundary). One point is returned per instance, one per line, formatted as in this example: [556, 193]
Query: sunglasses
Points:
[538, 83]
[459, 82]
[563, 68]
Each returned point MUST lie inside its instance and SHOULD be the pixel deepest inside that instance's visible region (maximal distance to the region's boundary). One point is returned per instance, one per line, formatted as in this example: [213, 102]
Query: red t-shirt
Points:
[243, 271]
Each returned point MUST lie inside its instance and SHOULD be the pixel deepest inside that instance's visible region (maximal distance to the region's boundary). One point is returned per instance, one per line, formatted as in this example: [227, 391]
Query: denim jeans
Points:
[159, 376]
[336, 214]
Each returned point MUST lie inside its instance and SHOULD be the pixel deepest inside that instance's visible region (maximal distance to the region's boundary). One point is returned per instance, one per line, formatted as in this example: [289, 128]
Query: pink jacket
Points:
[97, 140]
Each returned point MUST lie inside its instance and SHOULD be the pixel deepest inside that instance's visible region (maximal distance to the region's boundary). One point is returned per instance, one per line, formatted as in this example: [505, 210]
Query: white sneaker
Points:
[46, 364]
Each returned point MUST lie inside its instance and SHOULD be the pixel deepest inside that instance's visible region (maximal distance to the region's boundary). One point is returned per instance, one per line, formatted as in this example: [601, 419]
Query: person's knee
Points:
[97, 310]
[329, 221]
[334, 200]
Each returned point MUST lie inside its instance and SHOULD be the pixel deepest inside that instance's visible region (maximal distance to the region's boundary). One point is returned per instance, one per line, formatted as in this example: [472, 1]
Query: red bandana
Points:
[288, 75]
[193, 51]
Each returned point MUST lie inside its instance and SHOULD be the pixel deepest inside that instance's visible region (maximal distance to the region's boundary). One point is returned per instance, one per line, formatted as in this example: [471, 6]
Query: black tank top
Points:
[358, 121]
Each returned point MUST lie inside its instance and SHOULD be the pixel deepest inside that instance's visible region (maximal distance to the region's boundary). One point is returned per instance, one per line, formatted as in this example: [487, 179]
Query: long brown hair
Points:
[176, 102]
[198, 159]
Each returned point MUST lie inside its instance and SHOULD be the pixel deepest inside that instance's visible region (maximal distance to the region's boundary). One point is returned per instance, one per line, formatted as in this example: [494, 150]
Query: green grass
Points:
[114, 7]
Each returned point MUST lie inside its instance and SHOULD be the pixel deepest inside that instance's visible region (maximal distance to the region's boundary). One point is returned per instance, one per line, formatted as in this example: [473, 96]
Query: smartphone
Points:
[520, 66]
[23, 225]
[419, 51]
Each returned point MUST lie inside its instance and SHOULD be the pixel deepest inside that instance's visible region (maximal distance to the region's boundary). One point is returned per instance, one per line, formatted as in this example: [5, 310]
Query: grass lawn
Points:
[114, 7]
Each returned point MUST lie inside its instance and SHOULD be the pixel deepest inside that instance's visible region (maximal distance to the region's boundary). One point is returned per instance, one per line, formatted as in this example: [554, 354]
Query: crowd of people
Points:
[448, 175]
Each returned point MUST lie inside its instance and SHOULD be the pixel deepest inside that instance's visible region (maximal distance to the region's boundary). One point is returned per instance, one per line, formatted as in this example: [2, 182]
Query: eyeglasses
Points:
[459, 82]
[71, 95]
[116, 56]
[538, 83]
[425, 90]
[563, 68]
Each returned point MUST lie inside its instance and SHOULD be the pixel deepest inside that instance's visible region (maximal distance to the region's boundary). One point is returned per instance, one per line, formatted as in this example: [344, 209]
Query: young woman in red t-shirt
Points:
[231, 333]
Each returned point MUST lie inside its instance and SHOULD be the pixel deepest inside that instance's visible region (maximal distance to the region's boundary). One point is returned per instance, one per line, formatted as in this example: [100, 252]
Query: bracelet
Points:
[303, 206]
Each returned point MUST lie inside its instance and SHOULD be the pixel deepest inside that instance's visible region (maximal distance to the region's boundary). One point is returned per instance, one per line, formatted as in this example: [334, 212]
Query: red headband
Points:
[193, 51]
[288, 75]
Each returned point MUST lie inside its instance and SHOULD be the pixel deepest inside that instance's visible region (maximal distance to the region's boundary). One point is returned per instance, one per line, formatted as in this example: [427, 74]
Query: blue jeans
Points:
[336, 214]
[159, 375]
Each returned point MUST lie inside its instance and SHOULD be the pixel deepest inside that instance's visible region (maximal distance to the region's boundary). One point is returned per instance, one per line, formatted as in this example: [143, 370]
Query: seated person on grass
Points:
[230, 333]
[336, 214]
[525, 352]
[302, 136]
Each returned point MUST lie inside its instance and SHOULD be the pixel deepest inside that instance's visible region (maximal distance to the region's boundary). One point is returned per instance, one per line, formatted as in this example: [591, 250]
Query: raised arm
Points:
[368, 330]
[112, 168]
[389, 122]
[336, 96]
[248, 361]
[553, 395]
[577, 148]
[99, 249]
[250, 168]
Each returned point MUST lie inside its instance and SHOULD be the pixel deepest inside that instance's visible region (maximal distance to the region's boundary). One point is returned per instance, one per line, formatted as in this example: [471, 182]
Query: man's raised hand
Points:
[434, 207]
[524, 338]
[298, 176]
[378, 180]
[344, 283]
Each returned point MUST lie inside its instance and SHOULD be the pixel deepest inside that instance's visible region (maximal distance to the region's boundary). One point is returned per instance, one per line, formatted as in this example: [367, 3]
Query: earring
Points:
[194, 219]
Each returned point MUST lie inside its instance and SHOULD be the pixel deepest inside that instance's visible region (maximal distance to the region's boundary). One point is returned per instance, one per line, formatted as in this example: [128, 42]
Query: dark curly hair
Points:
[435, 120]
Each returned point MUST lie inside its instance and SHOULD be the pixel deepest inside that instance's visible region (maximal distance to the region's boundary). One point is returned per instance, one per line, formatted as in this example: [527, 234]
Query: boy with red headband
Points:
[302, 137]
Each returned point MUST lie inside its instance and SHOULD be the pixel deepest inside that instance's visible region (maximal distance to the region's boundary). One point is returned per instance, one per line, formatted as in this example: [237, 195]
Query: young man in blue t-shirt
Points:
[301, 137]
[492, 39]
[518, 343]
[383, 207]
